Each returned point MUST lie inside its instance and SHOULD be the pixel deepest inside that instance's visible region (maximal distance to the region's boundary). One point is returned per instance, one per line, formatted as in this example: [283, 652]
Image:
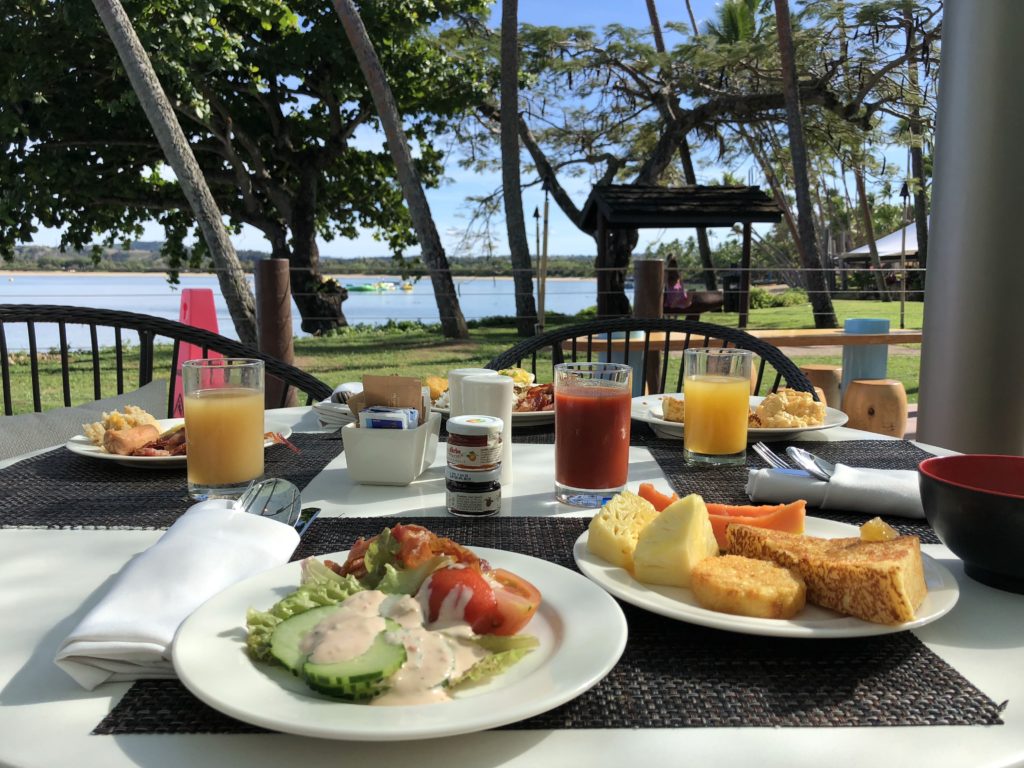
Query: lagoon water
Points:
[151, 294]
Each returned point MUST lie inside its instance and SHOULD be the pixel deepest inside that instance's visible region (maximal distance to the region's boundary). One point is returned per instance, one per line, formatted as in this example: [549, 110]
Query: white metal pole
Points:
[972, 358]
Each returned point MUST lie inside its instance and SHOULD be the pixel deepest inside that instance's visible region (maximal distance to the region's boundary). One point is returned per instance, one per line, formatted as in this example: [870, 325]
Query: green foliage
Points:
[269, 94]
[763, 299]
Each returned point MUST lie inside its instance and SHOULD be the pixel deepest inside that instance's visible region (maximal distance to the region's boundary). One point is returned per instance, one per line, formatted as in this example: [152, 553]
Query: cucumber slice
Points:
[287, 636]
[363, 677]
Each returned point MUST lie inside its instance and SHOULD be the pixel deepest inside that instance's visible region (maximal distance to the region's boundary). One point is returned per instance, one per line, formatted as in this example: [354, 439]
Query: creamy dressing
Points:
[435, 652]
[347, 632]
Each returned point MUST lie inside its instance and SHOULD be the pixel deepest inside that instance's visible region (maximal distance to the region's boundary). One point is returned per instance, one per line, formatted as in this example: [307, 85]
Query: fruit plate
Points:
[812, 622]
[648, 409]
[581, 629]
[83, 446]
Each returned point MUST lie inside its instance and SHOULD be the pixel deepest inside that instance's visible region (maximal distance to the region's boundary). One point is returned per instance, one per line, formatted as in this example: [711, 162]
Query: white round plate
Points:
[648, 409]
[581, 629]
[811, 622]
[521, 418]
[83, 446]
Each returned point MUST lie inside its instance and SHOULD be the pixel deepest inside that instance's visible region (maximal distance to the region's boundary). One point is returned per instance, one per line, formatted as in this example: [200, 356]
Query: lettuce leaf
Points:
[382, 552]
[261, 624]
[513, 649]
[407, 581]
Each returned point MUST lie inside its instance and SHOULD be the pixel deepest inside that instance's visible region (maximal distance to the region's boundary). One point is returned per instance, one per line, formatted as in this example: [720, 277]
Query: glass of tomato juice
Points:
[223, 425]
[716, 391]
[592, 412]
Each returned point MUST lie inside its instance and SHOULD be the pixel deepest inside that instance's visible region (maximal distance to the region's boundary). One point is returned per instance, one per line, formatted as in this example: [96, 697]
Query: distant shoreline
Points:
[393, 278]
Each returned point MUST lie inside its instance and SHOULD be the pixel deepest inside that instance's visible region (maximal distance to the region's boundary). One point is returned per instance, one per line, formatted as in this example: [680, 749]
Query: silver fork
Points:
[770, 457]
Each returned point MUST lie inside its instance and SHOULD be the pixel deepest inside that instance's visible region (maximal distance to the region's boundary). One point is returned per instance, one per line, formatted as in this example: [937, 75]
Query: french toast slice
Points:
[879, 581]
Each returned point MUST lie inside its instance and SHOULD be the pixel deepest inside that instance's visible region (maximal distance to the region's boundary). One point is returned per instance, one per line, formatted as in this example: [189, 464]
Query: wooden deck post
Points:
[648, 302]
[745, 277]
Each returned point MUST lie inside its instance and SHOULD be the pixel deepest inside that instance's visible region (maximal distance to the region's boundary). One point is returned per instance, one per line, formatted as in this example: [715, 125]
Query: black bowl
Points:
[975, 503]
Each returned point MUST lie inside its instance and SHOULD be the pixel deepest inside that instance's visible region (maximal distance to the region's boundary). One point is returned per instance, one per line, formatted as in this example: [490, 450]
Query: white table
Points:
[51, 578]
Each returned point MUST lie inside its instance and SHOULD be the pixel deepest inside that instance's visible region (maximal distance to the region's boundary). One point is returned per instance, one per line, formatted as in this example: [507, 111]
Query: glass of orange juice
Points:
[223, 425]
[716, 391]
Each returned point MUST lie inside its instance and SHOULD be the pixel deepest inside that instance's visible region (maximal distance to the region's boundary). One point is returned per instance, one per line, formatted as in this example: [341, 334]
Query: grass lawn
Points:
[416, 350]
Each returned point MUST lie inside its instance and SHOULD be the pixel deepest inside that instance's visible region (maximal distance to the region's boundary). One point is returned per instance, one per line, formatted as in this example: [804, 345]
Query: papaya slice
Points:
[658, 499]
[788, 518]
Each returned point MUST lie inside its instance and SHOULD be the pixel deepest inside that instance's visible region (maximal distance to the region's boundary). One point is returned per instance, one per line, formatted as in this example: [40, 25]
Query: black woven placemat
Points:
[60, 489]
[672, 674]
[726, 484]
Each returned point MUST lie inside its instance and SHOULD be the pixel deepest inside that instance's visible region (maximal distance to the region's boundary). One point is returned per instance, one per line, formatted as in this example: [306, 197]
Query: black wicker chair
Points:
[128, 327]
[588, 341]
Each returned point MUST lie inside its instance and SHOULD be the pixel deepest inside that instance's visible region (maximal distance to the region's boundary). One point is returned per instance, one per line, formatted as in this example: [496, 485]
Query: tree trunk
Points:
[869, 233]
[317, 299]
[233, 284]
[453, 324]
[821, 302]
[611, 275]
[703, 244]
[515, 222]
[916, 127]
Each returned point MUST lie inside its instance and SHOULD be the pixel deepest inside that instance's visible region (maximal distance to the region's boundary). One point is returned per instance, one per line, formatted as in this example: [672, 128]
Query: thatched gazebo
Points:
[630, 206]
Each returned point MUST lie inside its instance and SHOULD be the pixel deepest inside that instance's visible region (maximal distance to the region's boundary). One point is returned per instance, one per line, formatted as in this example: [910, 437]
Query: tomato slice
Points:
[658, 499]
[462, 590]
[517, 601]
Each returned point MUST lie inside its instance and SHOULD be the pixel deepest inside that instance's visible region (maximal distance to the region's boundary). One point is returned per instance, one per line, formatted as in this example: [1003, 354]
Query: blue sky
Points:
[448, 203]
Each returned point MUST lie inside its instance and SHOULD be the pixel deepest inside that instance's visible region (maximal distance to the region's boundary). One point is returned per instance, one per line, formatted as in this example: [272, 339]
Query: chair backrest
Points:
[122, 328]
[605, 340]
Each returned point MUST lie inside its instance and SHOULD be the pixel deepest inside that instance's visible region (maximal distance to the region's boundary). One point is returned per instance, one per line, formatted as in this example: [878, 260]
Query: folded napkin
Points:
[128, 634]
[343, 392]
[872, 491]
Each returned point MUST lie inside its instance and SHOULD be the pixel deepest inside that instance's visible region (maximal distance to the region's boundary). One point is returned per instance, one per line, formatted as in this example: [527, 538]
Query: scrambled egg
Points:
[133, 416]
[788, 408]
[521, 378]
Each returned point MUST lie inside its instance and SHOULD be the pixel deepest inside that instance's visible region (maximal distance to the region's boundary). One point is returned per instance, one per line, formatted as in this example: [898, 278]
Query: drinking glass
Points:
[592, 413]
[223, 425]
[716, 390]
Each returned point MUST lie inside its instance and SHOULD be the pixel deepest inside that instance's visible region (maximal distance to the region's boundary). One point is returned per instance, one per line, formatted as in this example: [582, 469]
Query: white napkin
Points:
[342, 392]
[491, 395]
[128, 634]
[872, 491]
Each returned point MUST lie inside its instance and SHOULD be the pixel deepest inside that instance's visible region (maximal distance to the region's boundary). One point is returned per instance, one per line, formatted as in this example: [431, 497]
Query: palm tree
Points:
[821, 302]
[160, 113]
[515, 222]
[453, 324]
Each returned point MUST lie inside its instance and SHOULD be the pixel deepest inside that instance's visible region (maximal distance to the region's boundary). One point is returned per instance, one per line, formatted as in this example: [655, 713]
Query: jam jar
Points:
[473, 493]
[474, 442]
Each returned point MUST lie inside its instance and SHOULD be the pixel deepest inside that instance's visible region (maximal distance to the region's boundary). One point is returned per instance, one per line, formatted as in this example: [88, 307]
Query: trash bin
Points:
[731, 290]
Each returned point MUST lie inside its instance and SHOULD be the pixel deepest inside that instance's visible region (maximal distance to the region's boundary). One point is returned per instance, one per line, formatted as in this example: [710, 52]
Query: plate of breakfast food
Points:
[366, 645]
[533, 404]
[762, 570]
[135, 438]
[778, 416]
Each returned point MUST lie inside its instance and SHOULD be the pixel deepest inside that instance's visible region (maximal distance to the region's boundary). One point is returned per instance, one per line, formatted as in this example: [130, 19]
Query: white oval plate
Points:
[83, 446]
[337, 413]
[648, 409]
[811, 622]
[581, 629]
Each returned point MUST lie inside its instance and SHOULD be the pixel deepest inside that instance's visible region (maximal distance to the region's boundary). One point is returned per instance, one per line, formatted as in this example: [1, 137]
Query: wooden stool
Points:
[877, 405]
[826, 377]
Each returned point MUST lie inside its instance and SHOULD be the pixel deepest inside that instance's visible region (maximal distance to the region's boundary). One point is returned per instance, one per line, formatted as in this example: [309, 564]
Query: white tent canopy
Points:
[891, 245]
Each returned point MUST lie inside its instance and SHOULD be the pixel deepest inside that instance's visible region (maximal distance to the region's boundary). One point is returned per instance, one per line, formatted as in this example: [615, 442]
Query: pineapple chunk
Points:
[614, 530]
[876, 529]
[679, 538]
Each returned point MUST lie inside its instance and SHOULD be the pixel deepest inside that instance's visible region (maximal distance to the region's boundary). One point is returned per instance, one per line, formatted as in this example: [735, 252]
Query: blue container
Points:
[868, 361]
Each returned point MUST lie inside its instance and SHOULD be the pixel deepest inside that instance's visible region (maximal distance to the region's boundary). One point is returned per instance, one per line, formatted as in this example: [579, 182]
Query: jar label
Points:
[485, 455]
[474, 504]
